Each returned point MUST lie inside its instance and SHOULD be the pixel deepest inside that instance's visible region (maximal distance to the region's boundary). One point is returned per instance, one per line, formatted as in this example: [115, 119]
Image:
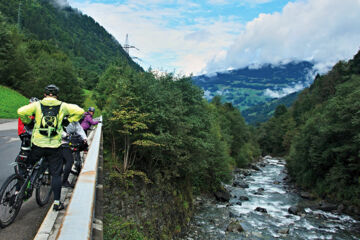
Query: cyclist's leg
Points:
[54, 158]
[68, 159]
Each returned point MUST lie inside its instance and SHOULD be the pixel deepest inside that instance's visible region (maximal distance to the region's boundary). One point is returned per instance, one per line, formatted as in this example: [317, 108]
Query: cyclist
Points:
[88, 121]
[70, 129]
[46, 137]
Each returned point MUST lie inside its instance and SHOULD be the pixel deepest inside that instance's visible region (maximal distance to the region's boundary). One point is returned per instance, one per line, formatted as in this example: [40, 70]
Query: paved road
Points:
[30, 216]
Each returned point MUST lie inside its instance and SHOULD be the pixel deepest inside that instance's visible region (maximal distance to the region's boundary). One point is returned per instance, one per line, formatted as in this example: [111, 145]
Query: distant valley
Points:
[250, 88]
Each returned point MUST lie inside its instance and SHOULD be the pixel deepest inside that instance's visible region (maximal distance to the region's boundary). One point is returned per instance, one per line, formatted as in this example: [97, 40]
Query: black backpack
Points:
[49, 120]
[82, 118]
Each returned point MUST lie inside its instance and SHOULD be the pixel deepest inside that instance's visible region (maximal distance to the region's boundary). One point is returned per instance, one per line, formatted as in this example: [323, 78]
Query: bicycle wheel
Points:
[43, 189]
[9, 208]
[77, 163]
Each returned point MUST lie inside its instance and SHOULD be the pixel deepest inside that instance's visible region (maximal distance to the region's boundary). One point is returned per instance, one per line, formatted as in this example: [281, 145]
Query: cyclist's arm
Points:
[74, 111]
[26, 111]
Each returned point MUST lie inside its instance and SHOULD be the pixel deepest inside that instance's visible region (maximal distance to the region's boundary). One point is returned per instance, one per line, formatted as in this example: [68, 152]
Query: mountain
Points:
[264, 111]
[249, 87]
[90, 47]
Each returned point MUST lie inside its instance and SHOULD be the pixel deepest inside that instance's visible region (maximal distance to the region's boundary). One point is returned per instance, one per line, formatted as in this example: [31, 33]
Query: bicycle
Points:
[76, 145]
[18, 188]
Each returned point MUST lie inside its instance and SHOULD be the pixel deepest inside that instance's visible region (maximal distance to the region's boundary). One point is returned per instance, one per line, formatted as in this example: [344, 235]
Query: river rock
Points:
[222, 195]
[239, 183]
[294, 210]
[256, 168]
[243, 198]
[340, 208]
[284, 231]
[234, 214]
[325, 206]
[307, 195]
[262, 164]
[235, 227]
[276, 182]
[260, 209]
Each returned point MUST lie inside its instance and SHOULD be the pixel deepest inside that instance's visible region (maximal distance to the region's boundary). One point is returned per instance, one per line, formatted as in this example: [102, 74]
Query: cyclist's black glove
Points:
[30, 125]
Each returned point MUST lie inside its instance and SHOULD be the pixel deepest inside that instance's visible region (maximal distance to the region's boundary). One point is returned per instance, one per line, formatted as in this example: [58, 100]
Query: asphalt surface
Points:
[30, 216]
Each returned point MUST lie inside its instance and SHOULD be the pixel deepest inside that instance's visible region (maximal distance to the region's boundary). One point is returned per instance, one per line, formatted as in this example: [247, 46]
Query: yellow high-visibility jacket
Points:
[74, 113]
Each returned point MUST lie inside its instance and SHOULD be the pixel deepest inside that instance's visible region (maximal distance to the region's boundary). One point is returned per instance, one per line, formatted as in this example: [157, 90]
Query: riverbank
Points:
[260, 207]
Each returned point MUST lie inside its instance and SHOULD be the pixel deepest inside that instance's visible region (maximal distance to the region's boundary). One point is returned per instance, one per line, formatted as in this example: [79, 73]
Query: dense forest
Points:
[163, 127]
[320, 134]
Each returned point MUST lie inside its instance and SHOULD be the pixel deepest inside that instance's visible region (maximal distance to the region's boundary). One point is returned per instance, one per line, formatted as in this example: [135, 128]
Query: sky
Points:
[202, 37]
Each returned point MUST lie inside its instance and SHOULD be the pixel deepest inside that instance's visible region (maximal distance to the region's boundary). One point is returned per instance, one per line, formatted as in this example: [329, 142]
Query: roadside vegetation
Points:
[10, 101]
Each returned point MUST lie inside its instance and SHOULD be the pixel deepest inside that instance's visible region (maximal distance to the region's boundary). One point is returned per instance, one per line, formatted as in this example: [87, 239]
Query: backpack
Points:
[75, 140]
[82, 118]
[49, 120]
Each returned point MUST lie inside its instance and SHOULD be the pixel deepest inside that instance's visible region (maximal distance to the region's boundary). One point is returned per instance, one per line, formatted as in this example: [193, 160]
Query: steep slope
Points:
[90, 47]
[248, 87]
[264, 111]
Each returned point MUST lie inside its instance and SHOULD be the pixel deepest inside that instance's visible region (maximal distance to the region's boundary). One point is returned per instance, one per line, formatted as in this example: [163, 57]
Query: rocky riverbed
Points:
[260, 204]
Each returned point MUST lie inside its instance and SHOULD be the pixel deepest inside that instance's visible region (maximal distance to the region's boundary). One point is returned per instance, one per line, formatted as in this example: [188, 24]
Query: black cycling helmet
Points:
[91, 109]
[33, 99]
[51, 89]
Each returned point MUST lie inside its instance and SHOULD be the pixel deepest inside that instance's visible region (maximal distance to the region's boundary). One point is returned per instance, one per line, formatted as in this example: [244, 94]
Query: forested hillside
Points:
[320, 134]
[262, 112]
[89, 47]
[174, 137]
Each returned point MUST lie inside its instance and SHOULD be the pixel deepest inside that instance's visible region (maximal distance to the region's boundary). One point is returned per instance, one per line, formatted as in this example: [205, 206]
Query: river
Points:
[268, 190]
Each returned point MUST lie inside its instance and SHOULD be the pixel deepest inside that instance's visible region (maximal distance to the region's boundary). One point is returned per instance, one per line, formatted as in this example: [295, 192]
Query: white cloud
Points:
[285, 91]
[324, 31]
[62, 3]
[162, 44]
[250, 2]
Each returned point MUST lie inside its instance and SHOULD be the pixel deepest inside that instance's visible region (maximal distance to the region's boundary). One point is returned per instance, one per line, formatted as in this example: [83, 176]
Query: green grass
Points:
[10, 101]
[90, 102]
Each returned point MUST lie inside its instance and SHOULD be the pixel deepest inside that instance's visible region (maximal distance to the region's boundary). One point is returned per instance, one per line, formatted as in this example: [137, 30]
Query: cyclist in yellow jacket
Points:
[46, 137]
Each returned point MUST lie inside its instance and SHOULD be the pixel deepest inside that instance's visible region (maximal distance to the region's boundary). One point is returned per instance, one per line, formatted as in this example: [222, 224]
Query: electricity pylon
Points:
[127, 46]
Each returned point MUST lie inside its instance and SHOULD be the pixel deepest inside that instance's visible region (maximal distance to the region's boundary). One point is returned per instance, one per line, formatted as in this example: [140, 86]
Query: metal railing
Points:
[78, 218]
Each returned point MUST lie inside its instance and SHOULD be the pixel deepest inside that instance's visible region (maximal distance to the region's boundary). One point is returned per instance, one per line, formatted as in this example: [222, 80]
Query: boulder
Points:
[235, 226]
[340, 208]
[256, 168]
[239, 183]
[222, 195]
[234, 214]
[325, 206]
[294, 210]
[243, 198]
[284, 231]
[307, 195]
[260, 209]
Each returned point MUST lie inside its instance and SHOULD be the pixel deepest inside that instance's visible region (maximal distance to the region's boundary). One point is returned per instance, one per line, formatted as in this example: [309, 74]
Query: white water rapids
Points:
[213, 218]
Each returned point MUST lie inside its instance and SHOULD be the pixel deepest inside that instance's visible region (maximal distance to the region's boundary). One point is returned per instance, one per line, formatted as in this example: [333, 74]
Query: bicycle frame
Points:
[27, 186]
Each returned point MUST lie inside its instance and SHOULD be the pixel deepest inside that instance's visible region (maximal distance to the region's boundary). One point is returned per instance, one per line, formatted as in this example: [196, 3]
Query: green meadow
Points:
[10, 101]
